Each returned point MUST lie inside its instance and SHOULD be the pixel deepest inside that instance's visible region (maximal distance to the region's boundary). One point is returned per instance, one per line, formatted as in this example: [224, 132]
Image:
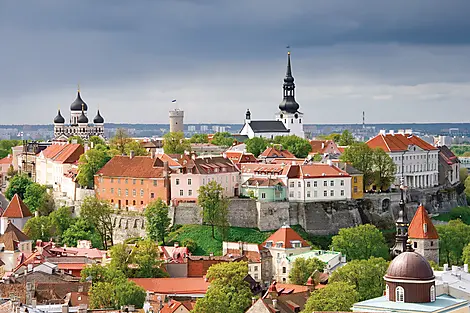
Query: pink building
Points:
[5, 164]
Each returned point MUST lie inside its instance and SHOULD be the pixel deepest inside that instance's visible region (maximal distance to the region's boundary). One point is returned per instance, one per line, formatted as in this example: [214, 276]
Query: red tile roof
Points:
[183, 285]
[321, 146]
[166, 158]
[69, 154]
[286, 235]
[16, 208]
[448, 156]
[290, 288]
[209, 165]
[12, 237]
[271, 152]
[268, 169]
[317, 170]
[171, 306]
[138, 167]
[398, 142]
[240, 157]
[6, 160]
[264, 182]
[51, 151]
[417, 228]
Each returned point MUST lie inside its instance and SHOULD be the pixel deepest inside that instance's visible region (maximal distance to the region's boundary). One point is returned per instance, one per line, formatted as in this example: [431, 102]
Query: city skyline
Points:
[400, 62]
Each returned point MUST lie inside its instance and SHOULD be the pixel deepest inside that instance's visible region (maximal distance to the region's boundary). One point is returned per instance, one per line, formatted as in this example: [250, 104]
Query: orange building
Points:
[132, 182]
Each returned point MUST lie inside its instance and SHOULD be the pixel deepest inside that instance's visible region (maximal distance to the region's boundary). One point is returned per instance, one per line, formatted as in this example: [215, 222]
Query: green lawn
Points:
[461, 212]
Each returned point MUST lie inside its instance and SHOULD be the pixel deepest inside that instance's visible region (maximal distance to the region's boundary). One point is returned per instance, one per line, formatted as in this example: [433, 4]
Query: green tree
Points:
[76, 139]
[119, 142]
[6, 145]
[98, 213]
[89, 164]
[360, 242]
[37, 198]
[463, 174]
[256, 145]
[199, 138]
[147, 258]
[222, 139]
[228, 291]
[120, 258]
[18, 185]
[136, 148]
[214, 205]
[361, 157]
[300, 147]
[466, 254]
[39, 228]
[97, 273]
[333, 136]
[384, 169]
[95, 140]
[317, 157]
[157, 220]
[129, 293]
[175, 143]
[81, 229]
[102, 295]
[61, 219]
[346, 138]
[365, 275]
[453, 238]
[303, 268]
[335, 297]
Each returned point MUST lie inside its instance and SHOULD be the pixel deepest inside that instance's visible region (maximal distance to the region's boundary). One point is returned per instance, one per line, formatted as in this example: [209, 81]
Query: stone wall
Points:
[128, 226]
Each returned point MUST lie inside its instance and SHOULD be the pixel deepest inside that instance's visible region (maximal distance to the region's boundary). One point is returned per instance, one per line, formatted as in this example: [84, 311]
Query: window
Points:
[141, 192]
[256, 268]
[133, 181]
[292, 121]
[415, 245]
[263, 195]
[177, 181]
[112, 180]
[399, 294]
[291, 194]
[325, 193]
[119, 191]
[325, 183]
[127, 192]
[292, 184]
[112, 190]
[189, 181]
[141, 202]
[119, 180]
[190, 192]
[355, 189]
[314, 184]
[126, 181]
[308, 194]
[342, 192]
[133, 202]
[181, 192]
[133, 192]
[332, 193]
[387, 292]
[315, 194]
[308, 184]
[155, 183]
[433, 293]
[342, 182]
[141, 181]
[299, 184]
[300, 121]
[298, 194]
[432, 243]
[284, 270]
[152, 195]
[332, 183]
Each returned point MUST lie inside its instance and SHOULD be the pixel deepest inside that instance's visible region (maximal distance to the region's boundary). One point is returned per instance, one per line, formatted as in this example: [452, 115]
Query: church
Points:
[288, 119]
[78, 124]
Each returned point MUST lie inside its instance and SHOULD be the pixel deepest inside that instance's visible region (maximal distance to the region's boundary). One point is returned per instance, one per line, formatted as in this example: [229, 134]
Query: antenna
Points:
[363, 119]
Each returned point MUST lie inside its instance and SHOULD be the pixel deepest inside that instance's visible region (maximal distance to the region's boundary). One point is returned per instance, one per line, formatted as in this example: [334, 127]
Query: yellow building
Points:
[357, 180]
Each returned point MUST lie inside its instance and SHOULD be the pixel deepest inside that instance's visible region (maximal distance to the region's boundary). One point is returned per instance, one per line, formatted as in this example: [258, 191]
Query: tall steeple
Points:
[288, 103]
[401, 224]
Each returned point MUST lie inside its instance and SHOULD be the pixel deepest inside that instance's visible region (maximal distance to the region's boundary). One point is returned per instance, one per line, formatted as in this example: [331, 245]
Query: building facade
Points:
[79, 124]
[423, 235]
[176, 120]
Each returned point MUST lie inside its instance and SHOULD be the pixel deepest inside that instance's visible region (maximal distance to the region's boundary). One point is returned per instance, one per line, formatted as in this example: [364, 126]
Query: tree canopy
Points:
[256, 145]
[365, 275]
[6, 145]
[300, 147]
[384, 169]
[81, 229]
[335, 297]
[228, 291]
[38, 199]
[157, 220]
[76, 139]
[222, 139]
[214, 206]
[360, 242]
[98, 214]
[199, 138]
[346, 138]
[90, 163]
[95, 140]
[18, 185]
[175, 143]
[303, 268]
[453, 238]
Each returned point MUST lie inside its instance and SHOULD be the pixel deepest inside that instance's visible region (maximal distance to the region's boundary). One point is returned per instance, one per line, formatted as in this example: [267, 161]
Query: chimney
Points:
[34, 302]
[211, 254]
[446, 267]
[30, 267]
[80, 288]
[253, 300]
[131, 154]
[193, 156]
[176, 245]
[152, 153]
[275, 303]
[391, 132]
[36, 214]
[65, 308]
[382, 132]
[329, 162]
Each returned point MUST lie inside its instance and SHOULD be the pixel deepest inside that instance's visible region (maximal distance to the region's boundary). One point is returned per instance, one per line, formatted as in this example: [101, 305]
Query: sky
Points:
[399, 61]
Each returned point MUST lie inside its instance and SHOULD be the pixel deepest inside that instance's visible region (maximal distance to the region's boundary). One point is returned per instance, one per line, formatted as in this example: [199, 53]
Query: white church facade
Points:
[289, 120]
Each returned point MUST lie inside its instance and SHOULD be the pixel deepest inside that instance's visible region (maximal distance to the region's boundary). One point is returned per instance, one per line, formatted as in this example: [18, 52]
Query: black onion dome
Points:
[289, 104]
[98, 118]
[78, 104]
[82, 118]
[59, 119]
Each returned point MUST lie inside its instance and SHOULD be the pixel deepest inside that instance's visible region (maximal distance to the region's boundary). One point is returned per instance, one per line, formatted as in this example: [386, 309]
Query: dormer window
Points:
[399, 294]
[279, 244]
[269, 244]
[425, 228]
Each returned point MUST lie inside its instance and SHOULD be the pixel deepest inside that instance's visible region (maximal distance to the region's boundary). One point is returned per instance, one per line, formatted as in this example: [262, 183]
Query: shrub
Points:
[190, 244]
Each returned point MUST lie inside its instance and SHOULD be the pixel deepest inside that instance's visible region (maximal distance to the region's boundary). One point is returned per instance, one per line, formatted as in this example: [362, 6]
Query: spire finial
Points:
[289, 67]
[78, 87]
[83, 107]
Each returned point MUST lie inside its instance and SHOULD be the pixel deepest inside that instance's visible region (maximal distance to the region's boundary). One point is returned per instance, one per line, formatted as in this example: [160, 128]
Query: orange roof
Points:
[70, 153]
[138, 167]
[318, 146]
[51, 151]
[417, 228]
[71, 266]
[177, 285]
[398, 142]
[240, 157]
[166, 158]
[290, 288]
[6, 160]
[317, 170]
[171, 306]
[259, 168]
[286, 235]
[16, 208]
[12, 237]
[271, 152]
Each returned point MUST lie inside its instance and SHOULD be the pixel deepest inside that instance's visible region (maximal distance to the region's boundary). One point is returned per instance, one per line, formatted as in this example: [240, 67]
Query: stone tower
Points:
[176, 120]
[423, 235]
[401, 225]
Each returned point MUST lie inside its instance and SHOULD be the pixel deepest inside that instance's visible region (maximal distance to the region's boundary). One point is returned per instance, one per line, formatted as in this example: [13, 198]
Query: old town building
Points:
[423, 235]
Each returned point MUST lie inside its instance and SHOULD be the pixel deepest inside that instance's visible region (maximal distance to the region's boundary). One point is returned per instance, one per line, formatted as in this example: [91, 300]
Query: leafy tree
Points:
[61, 219]
[147, 258]
[335, 297]
[190, 244]
[303, 268]
[102, 295]
[81, 230]
[175, 143]
[129, 293]
[18, 185]
[120, 258]
[365, 275]
[333, 136]
[98, 213]
[119, 142]
[361, 156]
[300, 147]
[317, 158]
[95, 140]
[136, 148]
[453, 238]
[214, 205]
[157, 220]
[436, 266]
[37, 198]
[6, 145]
[346, 138]
[76, 139]
[222, 139]
[39, 228]
[228, 291]
[97, 273]
[89, 164]
[466, 254]
[360, 242]
[463, 174]
[384, 169]
[256, 145]
[199, 138]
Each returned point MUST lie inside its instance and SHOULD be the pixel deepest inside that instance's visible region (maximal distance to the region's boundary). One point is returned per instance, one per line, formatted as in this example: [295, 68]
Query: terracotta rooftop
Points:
[6, 160]
[264, 182]
[16, 208]
[319, 146]
[12, 237]
[318, 170]
[166, 158]
[69, 154]
[183, 285]
[135, 167]
[398, 142]
[268, 169]
[209, 165]
[421, 227]
[272, 152]
[52, 151]
[286, 236]
[241, 157]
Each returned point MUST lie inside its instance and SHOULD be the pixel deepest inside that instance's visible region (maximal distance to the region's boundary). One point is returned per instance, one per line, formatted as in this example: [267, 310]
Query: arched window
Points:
[433, 293]
[399, 294]
[387, 292]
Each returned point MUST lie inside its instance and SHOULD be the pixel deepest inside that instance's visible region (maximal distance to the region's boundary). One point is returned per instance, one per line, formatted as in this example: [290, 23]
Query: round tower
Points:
[176, 120]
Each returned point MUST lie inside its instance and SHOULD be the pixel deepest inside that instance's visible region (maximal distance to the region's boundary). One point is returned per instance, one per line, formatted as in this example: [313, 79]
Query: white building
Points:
[78, 123]
[415, 159]
[176, 120]
[289, 120]
[332, 259]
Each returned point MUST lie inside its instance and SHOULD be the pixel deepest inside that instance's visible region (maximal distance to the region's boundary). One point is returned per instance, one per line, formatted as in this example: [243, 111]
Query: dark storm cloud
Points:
[349, 52]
